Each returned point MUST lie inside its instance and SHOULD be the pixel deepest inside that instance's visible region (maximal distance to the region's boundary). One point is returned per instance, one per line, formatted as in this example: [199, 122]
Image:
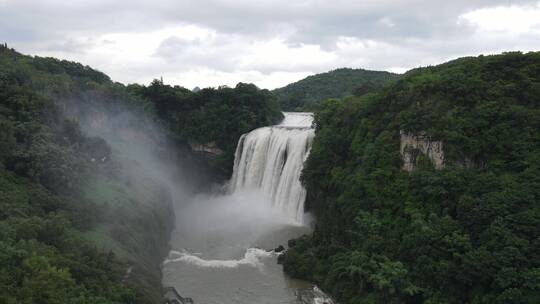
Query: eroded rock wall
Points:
[411, 145]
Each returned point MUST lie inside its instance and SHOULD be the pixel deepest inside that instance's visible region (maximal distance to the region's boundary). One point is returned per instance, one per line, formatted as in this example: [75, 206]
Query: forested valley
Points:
[424, 187]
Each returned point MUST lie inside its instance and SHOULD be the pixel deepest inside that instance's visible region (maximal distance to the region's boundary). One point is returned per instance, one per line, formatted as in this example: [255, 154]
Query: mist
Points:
[236, 221]
[142, 147]
[233, 230]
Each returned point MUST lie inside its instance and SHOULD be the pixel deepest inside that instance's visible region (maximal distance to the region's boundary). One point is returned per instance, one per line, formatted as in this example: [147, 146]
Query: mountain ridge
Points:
[307, 94]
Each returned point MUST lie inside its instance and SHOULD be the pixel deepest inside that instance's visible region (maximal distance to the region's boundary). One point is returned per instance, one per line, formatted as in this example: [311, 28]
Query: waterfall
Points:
[270, 160]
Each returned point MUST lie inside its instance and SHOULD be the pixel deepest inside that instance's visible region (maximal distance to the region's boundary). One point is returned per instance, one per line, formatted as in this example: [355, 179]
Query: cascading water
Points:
[223, 243]
[271, 159]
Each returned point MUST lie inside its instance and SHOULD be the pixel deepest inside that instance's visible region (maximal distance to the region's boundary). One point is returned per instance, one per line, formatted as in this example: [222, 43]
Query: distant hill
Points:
[307, 93]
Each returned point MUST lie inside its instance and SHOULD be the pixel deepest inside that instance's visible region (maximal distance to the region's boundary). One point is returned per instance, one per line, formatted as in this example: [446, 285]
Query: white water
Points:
[271, 159]
[253, 257]
[217, 256]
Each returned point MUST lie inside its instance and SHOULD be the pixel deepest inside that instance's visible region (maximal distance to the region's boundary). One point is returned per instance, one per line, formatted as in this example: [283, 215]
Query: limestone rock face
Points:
[411, 145]
[208, 148]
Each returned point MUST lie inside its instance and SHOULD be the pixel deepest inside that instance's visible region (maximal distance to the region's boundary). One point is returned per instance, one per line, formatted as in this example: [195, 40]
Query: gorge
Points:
[222, 244]
[424, 191]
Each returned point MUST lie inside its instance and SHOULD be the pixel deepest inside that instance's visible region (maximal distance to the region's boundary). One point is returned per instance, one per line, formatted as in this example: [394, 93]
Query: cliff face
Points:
[411, 145]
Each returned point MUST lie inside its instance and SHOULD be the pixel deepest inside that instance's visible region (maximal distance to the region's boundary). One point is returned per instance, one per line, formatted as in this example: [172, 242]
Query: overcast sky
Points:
[269, 43]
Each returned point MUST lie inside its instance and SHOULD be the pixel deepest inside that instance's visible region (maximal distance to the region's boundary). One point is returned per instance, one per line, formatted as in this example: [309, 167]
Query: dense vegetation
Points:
[44, 257]
[308, 94]
[213, 117]
[469, 233]
[80, 220]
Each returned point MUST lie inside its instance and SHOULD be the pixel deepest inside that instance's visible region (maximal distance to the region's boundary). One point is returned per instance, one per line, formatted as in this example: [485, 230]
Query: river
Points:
[222, 246]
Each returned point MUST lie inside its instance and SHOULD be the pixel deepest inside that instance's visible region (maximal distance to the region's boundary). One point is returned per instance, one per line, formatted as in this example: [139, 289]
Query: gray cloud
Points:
[308, 19]
[312, 35]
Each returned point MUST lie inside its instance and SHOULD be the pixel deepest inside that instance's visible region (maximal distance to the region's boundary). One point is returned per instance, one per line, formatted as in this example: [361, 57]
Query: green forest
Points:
[468, 233]
[82, 222]
[79, 221]
[211, 115]
[309, 93]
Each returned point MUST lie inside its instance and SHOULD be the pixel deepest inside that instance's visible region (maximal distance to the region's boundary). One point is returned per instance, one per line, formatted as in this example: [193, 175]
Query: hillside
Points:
[74, 218]
[308, 93]
[86, 166]
[212, 119]
[429, 191]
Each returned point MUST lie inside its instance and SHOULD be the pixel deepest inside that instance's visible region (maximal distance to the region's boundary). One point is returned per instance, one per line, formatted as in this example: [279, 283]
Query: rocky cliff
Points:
[411, 145]
[208, 149]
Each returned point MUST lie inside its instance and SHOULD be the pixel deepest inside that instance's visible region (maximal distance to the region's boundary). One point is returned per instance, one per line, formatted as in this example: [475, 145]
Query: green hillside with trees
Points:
[212, 115]
[44, 162]
[307, 94]
[80, 220]
[468, 233]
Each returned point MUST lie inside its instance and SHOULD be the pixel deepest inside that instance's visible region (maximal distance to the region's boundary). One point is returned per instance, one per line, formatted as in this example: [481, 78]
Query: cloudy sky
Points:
[267, 42]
